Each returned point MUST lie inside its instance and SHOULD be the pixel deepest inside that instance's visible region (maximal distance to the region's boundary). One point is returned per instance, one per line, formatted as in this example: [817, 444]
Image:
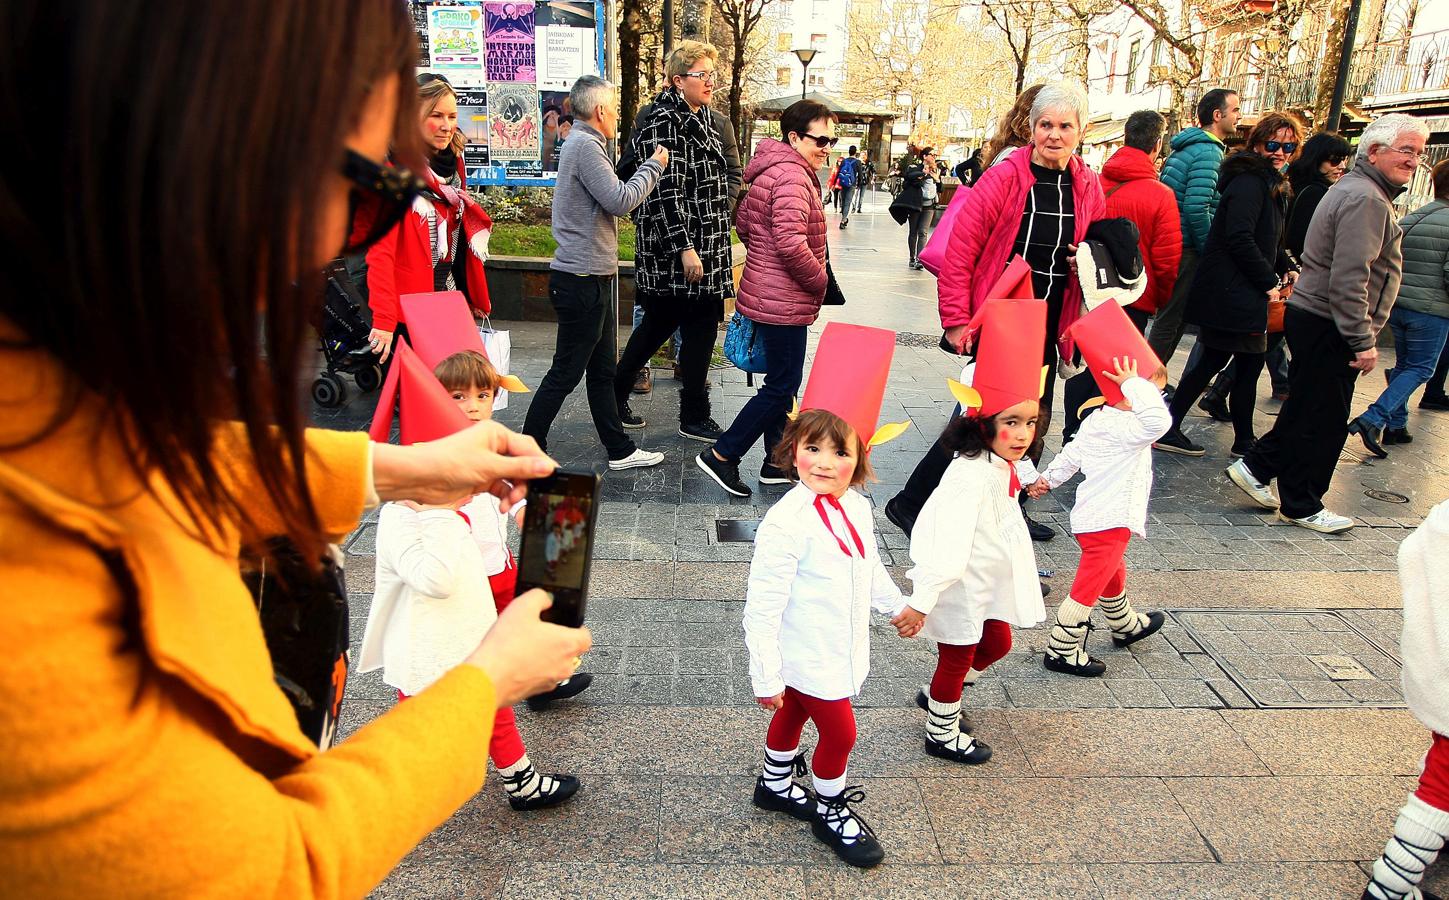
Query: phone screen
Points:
[558, 542]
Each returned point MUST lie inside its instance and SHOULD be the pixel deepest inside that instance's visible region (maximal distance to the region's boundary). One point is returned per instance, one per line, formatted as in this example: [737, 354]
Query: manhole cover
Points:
[1296, 658]
[739, 531]
[1386, 496]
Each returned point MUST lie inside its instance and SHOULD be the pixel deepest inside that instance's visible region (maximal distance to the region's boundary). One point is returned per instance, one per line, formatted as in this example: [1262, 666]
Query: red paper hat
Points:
[848, 378]
[1014, 283]
[428, 413]
[1009, 369]
[1105, 334]
[441, 324]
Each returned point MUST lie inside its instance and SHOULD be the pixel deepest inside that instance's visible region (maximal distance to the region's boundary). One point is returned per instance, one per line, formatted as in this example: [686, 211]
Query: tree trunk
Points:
[737, 75]
[1022, 58]
[630, 19]
[694, 20]
[1328, 73]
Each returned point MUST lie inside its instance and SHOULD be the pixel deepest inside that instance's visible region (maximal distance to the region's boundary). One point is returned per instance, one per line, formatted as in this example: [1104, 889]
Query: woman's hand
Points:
[523, 655]
[1275, 295]
[483, 458]
[381, 342]
[693, 268]
[1290, 278]
[772, 703]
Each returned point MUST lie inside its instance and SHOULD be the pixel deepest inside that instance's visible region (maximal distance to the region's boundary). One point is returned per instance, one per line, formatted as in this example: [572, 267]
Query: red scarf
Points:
[1013, 487]
[820, 501]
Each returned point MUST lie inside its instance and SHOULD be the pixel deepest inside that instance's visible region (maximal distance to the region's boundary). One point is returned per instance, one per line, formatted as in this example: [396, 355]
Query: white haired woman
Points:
[1036, 204]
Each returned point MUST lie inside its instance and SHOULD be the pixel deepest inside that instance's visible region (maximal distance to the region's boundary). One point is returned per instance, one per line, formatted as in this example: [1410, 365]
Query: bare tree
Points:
[630, 33]
[741, 26]
[1024, 24]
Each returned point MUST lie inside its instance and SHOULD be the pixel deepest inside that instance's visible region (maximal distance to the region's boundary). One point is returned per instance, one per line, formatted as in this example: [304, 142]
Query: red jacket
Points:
[783, 227]
[1130, 184]
[982, 236]
[402, 261]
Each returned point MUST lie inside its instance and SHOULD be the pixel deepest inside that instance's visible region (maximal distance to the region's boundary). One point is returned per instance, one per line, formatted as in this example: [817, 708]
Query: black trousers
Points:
[587, 341]
[698, 325]
[919, 223]
[1242, 396]
[1302, 449]
[1083, 387]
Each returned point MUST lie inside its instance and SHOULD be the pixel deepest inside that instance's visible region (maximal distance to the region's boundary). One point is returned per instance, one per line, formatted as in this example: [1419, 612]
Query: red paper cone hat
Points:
[1009, 345]
[1014, 283]
[427, 412]
[848, 378]
[1105, 334]
[441, 324]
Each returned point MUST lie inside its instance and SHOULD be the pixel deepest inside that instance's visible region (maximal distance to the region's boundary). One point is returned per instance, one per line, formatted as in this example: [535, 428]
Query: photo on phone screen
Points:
[558, 542]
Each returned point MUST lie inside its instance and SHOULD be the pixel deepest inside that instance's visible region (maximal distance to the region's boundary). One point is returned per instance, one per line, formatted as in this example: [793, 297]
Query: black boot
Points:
[925, 478]
[862, 849]
[1037, 530]
[577, 684]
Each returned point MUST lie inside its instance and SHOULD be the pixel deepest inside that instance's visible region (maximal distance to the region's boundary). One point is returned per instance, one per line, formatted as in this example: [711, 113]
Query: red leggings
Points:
[835, 721]
[955, 660]
[505, 747]
[1102, 571]
[504, 584]
[1434, 783]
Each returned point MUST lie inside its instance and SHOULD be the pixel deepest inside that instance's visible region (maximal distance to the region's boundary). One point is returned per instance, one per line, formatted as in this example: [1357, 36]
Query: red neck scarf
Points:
[820, 501]
[1013, 487]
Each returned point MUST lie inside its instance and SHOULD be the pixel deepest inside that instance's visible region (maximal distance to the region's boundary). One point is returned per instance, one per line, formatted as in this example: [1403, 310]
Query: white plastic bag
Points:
[498, 346]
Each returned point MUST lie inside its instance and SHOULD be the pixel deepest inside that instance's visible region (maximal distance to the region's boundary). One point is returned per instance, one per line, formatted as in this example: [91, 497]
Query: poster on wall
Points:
[557, 115]
[511, 51]
[564, 54]
[513, 122]
[573, 13]
[455, 41]
[473, 122]
[419, 9]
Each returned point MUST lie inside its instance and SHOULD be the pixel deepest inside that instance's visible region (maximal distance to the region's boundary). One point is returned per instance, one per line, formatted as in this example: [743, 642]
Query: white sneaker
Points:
[1239, 473]
[1323, 522]
[639, 459]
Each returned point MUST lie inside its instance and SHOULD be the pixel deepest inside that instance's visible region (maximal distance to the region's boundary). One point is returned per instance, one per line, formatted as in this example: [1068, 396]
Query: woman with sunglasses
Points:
[916, 203]
[153, 422]
[444, 244]
[1244, 268]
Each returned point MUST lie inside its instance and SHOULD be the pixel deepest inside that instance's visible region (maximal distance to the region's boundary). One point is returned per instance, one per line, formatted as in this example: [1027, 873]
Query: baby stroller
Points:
[343, 335]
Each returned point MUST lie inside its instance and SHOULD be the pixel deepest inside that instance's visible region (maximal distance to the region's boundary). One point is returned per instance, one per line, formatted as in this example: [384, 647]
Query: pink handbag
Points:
[933, 255]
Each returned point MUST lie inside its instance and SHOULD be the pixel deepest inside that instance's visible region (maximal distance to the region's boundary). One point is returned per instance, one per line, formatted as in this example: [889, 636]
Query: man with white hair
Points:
[1352, 264]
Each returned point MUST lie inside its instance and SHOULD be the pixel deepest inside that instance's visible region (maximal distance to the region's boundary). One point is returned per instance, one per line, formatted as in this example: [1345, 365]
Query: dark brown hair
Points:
[172, 242]
[1439, 175]
[971, 436]
[1271, 124]
[798, 116]
[1014, 127]
[816, 425]
[468, 369]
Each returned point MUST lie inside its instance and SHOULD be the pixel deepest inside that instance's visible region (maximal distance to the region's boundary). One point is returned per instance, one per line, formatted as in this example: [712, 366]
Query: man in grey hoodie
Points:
[1352, 265]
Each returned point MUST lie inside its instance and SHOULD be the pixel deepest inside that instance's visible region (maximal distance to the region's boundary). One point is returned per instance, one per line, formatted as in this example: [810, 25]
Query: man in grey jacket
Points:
[587, 202]
[1352, 264]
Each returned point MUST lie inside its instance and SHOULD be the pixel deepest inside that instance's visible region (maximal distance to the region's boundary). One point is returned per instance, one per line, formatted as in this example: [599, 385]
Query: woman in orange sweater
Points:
[147, 751]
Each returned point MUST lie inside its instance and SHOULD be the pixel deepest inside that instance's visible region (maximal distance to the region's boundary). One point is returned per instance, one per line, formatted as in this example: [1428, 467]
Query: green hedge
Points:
[513, 239]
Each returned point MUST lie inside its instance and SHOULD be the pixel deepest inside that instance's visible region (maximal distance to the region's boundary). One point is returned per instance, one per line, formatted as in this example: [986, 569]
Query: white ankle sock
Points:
[779, 769]
[1419, 834]
[831, 787]
[971, 676]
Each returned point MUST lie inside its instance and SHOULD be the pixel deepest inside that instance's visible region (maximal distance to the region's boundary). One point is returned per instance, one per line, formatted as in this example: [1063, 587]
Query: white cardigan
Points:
[972, 554]
[1113, 451]
[431, 603]
[807, 609]
[1424, 645]
[490, 530]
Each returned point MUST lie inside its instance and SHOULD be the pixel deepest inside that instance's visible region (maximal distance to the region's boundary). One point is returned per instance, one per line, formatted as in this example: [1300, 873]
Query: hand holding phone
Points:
[558, 542]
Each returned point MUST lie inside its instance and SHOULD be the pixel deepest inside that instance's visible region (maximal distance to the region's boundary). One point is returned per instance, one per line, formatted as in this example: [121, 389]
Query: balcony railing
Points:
[1421, 67]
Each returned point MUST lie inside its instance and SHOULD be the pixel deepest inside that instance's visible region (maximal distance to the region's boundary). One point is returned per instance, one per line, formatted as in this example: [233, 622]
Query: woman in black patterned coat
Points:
[682, 242]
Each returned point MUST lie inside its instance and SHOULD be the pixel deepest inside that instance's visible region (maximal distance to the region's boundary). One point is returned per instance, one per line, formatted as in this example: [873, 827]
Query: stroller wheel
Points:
[368, 378]
[327, 390]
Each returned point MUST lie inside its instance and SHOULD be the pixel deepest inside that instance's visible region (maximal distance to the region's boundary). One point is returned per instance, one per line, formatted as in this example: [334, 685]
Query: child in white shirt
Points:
[1113, 450]
[815, 576]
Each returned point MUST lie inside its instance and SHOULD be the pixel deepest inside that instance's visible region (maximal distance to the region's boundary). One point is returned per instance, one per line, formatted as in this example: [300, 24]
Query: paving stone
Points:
[1333, 742]
[443, 873]
[1132, 742]
[889, 742]
[704, 661]
[650, 661]
[564, 879]
[1190, 695]
[1136, 693]
[1229, 881]
[1061, 692]
[891, 881]
[704, 690]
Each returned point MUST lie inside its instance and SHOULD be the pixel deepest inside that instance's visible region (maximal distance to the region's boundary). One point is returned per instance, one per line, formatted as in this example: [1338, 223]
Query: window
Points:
[783, 76]
[1112, 69]
[817, 80]
[783, 41]
[1134, 57]
[817, 41]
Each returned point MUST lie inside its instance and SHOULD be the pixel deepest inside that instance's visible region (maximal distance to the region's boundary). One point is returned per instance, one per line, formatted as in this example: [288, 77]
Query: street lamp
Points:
[805, 57]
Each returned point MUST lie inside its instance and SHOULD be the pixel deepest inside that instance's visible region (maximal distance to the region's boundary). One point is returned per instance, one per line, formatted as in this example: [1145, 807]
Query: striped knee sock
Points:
[1419, 833]
[1121, 617]
[1068, 639]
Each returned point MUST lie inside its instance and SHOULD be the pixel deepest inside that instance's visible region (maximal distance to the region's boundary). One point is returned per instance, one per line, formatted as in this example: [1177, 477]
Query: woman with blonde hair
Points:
[1013, 129]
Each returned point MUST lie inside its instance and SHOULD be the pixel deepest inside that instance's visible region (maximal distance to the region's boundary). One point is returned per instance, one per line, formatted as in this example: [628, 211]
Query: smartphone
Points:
[557, 549]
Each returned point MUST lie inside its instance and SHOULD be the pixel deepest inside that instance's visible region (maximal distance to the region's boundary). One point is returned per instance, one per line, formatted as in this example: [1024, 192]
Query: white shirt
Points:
[807, 609]
[431, 603]
[972, 554]
[490, 530]
[1113, 451]
[1424, 644]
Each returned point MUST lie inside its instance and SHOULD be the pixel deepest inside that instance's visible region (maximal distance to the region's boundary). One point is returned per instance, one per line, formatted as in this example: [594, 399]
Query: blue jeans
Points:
[766, 413]
[1418, 340]
[847, 202]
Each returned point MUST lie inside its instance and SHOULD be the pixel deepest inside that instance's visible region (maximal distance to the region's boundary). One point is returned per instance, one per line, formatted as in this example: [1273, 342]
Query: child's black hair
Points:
[971, 436]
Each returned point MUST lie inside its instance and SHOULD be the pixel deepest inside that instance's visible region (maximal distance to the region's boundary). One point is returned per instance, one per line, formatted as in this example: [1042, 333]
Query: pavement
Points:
[1258, 747]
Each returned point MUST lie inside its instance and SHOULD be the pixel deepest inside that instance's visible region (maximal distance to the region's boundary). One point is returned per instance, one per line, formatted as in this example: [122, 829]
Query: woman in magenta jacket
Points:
[782, 224]
[1036, 203]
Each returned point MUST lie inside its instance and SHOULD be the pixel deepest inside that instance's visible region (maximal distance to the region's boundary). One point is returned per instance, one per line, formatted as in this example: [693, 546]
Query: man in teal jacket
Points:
[1192, 173]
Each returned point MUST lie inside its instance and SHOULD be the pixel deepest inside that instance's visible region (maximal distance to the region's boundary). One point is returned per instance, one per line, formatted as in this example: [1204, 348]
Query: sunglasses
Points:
[820, 140]
[1336, 160]
[381, 195]
[1286, 146]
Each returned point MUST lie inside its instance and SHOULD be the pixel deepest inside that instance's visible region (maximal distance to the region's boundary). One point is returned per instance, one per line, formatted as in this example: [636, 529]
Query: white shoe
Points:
[1239, 473]
[1323, 522]
[639, 459]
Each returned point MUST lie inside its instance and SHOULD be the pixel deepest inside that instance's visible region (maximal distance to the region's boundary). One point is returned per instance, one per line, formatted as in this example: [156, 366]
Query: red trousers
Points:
[504, 584]
[834, 719]
[505, 747]
[1102, 571]
[1434, 783]
[954, 661]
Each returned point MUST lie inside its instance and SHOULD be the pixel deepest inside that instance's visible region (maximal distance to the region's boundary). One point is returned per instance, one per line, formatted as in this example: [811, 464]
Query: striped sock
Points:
[523, 782]
[1419, 833]
[1123, 619]
[1068, 639]
[780, 769]
[943, 725]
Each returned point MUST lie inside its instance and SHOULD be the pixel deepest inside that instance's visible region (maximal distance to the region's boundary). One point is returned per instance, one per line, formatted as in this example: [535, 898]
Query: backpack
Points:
[845, 177]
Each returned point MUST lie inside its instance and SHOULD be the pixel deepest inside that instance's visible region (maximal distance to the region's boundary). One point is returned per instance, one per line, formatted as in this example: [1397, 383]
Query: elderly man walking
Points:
[1352, 264]
[586, 204]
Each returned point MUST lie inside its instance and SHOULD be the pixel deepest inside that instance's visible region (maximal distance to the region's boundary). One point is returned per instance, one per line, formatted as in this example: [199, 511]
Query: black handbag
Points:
[833, 295]
[303, 612]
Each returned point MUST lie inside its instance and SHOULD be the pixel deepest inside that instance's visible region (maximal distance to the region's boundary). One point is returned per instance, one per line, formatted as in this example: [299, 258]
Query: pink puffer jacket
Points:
[783, 227]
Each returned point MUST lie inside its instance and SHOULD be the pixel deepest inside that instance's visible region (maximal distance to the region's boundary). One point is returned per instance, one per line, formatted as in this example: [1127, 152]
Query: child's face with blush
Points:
[826, 468]
[475, 402]
[1015, 429]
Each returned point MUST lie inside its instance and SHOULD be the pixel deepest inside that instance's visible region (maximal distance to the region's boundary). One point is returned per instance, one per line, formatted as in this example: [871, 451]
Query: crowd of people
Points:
[154, 426]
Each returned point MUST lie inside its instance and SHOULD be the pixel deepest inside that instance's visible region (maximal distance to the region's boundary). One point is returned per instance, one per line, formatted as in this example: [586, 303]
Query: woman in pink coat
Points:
[782, 224]
[1036, 203]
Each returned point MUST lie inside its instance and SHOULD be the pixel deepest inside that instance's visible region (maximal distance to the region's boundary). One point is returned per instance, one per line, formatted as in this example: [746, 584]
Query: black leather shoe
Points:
[1037, 530]
[898, 517]
[1155, 621]
[1216, 407]
[1397, 436]
[1046, 590]
[1370, 437]
[863, 851]
[923, 701]
[978, 754]
[573, 687]
[802, 808]
[565, 786]
[1093, 668]
[1438, 402]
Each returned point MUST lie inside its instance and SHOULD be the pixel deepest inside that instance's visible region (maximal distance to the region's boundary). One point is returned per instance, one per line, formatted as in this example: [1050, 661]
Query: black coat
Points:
[912, 197]
[1243, 257]
[1300, 213]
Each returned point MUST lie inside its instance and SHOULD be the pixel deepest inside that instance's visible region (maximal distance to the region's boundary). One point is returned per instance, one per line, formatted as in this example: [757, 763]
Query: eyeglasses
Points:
[1286, 146]
[1415, 155]
[704, 77]
[820, 140]
[381, 196]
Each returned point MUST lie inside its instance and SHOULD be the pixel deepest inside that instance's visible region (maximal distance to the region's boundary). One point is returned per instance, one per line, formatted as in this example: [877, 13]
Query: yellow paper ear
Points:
[794, 412]
[1046, 372]
[964, 394]
[1090, 404]
[888, 432]
[513, 384]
